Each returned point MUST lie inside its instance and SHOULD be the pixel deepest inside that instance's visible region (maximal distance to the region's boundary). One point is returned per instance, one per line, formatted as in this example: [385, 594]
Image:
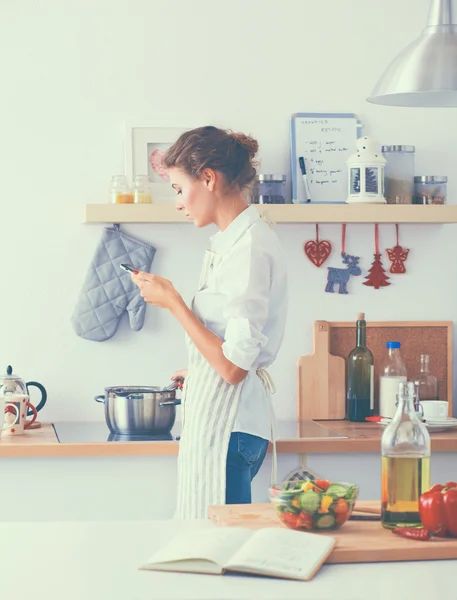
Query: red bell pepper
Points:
[450, 509]
[438, 509]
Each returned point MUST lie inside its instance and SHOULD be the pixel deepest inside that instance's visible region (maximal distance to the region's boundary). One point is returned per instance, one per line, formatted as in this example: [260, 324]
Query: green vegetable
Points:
[292, 509]
[327, 521]
[287, 495]
[310, 501]
[335, 489]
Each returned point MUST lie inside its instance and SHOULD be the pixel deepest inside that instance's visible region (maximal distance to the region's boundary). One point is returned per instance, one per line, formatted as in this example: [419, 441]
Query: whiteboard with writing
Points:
[325, 141]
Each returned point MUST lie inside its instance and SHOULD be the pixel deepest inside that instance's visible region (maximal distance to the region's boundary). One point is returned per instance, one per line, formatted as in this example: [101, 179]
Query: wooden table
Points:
[99, 561]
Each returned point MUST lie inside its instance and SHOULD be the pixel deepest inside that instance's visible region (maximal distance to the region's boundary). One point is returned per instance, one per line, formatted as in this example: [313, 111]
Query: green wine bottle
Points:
[359, 396]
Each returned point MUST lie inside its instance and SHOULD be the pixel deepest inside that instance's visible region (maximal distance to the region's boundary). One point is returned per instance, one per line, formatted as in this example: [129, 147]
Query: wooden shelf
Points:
[288, 213]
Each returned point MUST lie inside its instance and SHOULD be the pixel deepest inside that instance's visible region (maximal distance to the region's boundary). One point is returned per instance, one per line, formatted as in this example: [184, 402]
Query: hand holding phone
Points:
[129, 268]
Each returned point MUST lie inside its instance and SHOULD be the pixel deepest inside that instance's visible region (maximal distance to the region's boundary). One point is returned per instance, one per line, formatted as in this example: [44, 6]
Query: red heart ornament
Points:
[318, 251]
[156, 161]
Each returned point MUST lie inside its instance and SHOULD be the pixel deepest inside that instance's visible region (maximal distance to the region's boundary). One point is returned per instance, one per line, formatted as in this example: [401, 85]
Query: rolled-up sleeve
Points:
[246, 288]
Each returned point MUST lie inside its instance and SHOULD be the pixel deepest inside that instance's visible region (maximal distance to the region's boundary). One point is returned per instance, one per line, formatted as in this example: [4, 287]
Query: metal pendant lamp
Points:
[425, 72]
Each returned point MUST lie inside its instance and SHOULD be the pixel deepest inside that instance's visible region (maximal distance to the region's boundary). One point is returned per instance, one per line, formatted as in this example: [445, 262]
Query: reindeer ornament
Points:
[341, 276]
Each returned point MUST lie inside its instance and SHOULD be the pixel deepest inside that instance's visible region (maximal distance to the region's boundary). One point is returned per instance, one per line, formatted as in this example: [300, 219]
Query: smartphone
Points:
[129, 268]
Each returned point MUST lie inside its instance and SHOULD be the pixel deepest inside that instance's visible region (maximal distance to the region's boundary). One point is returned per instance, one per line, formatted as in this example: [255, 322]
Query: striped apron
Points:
[209, 406]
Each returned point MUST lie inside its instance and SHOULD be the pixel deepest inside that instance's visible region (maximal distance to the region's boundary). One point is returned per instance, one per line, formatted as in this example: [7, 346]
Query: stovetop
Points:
[98, 432]
[89, 432]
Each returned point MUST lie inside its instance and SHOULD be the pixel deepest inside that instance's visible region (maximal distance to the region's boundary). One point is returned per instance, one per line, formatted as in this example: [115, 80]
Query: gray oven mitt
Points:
[108, 290]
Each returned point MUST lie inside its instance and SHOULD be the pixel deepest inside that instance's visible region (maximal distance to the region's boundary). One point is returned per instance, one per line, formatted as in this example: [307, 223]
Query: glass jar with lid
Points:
[269, 189]
[430, 189]
[142, 190]
[120, 192]
[399, 174]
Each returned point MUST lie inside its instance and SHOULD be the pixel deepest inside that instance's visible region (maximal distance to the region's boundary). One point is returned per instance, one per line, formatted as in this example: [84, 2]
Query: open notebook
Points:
[272, 552]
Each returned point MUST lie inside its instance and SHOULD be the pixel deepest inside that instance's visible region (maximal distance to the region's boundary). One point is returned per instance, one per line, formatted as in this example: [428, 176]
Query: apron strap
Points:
[269, 385]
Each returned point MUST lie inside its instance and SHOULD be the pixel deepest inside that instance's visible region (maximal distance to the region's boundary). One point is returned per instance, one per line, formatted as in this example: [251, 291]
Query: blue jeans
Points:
[245, 456]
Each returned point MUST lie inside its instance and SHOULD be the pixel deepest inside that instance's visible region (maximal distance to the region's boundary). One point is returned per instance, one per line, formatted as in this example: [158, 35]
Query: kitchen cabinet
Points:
[42, 480]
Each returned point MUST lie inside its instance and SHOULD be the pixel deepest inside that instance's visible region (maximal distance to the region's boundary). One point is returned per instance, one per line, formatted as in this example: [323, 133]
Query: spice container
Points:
[120, 192]
[426, 383]
[430, 189]
[269, 189]
[399, 174]
[142, 190]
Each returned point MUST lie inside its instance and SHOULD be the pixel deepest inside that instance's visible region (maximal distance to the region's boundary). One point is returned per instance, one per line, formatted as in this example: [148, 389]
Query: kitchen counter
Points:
[320, 437]
[97, 561]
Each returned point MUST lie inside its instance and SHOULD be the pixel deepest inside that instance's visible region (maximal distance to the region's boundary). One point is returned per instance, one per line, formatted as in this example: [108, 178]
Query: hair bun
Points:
[246, 142]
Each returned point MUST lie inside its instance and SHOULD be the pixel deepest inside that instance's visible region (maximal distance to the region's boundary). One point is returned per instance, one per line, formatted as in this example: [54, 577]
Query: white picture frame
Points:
[144, 147]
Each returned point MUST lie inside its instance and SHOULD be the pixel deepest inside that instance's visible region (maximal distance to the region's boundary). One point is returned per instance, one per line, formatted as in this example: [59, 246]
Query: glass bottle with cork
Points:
[360, 371]
[392, 373]
[426, 383]
[405, 463]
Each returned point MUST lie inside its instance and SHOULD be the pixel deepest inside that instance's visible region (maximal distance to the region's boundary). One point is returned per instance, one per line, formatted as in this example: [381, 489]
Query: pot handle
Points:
[102, 400]
[170, 403]
[135, 397]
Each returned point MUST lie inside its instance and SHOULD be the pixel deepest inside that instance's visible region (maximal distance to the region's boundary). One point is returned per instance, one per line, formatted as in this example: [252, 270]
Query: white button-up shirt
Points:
[244, 302]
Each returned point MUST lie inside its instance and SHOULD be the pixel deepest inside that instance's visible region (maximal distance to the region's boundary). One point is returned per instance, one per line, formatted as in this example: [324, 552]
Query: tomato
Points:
[322, 483]
[290, 519]
[304, 520]
[341, 517]
[341, 507]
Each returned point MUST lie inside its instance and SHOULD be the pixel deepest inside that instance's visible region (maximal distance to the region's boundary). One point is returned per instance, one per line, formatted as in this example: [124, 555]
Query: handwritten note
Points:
[325, 143]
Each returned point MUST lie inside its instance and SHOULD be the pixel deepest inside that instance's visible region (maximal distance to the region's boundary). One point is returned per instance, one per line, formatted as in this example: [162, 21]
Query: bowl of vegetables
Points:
[318, 505]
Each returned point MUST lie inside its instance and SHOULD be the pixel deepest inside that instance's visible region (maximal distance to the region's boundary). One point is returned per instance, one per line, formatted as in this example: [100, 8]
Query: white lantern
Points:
[366, 173]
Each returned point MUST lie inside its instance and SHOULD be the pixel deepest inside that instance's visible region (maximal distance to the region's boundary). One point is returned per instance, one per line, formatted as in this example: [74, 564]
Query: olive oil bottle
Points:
[405, 463]
[360, 370]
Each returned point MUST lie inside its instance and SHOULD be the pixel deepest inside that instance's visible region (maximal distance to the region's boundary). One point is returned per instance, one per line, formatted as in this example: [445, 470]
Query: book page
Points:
[282, 553]
[216, 545]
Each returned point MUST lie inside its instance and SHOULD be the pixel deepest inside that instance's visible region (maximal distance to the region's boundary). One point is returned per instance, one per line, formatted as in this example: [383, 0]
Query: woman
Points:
[234, 327]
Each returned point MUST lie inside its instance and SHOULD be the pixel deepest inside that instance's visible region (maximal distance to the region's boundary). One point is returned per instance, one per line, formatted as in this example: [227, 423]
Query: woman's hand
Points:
[181, 374]
[156, 290]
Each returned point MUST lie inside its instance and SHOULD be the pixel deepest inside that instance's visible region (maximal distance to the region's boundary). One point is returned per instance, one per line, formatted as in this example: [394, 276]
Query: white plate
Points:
[450, 421]
[434, 427]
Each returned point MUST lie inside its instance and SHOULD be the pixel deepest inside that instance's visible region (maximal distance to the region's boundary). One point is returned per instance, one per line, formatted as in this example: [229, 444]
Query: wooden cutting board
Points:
[321, 381]
[357, 541]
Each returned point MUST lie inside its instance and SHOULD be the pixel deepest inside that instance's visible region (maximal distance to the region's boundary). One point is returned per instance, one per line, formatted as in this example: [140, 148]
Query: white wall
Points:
[72, 72]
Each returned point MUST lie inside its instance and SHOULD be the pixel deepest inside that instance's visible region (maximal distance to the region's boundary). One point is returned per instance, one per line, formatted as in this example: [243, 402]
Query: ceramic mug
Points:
[22, 404]
[3, 408]
[434, 409]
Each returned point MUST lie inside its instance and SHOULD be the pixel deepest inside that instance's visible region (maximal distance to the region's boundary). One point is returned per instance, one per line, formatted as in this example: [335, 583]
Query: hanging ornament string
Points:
[397, 255]
[377, 275]
[318, 250]
[341, 277]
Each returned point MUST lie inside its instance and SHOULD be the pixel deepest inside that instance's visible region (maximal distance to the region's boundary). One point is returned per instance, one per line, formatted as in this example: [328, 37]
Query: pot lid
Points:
[12, 383]
[9, 374]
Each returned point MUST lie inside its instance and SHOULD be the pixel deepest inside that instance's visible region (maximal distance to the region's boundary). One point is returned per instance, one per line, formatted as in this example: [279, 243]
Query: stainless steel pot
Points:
[135, 410]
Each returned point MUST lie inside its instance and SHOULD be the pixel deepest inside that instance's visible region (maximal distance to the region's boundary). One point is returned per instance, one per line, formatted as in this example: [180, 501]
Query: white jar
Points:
[392, 374]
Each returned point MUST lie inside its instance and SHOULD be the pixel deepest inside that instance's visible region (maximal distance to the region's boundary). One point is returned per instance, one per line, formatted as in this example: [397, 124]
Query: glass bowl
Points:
[319, 505]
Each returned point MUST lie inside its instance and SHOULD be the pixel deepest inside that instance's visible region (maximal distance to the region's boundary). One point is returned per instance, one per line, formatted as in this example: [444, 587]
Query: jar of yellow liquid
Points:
[142, 190]
[405, 447]
[120, 192]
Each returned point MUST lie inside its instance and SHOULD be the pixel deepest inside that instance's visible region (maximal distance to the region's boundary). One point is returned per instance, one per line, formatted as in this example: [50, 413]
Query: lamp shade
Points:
[425, 72]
